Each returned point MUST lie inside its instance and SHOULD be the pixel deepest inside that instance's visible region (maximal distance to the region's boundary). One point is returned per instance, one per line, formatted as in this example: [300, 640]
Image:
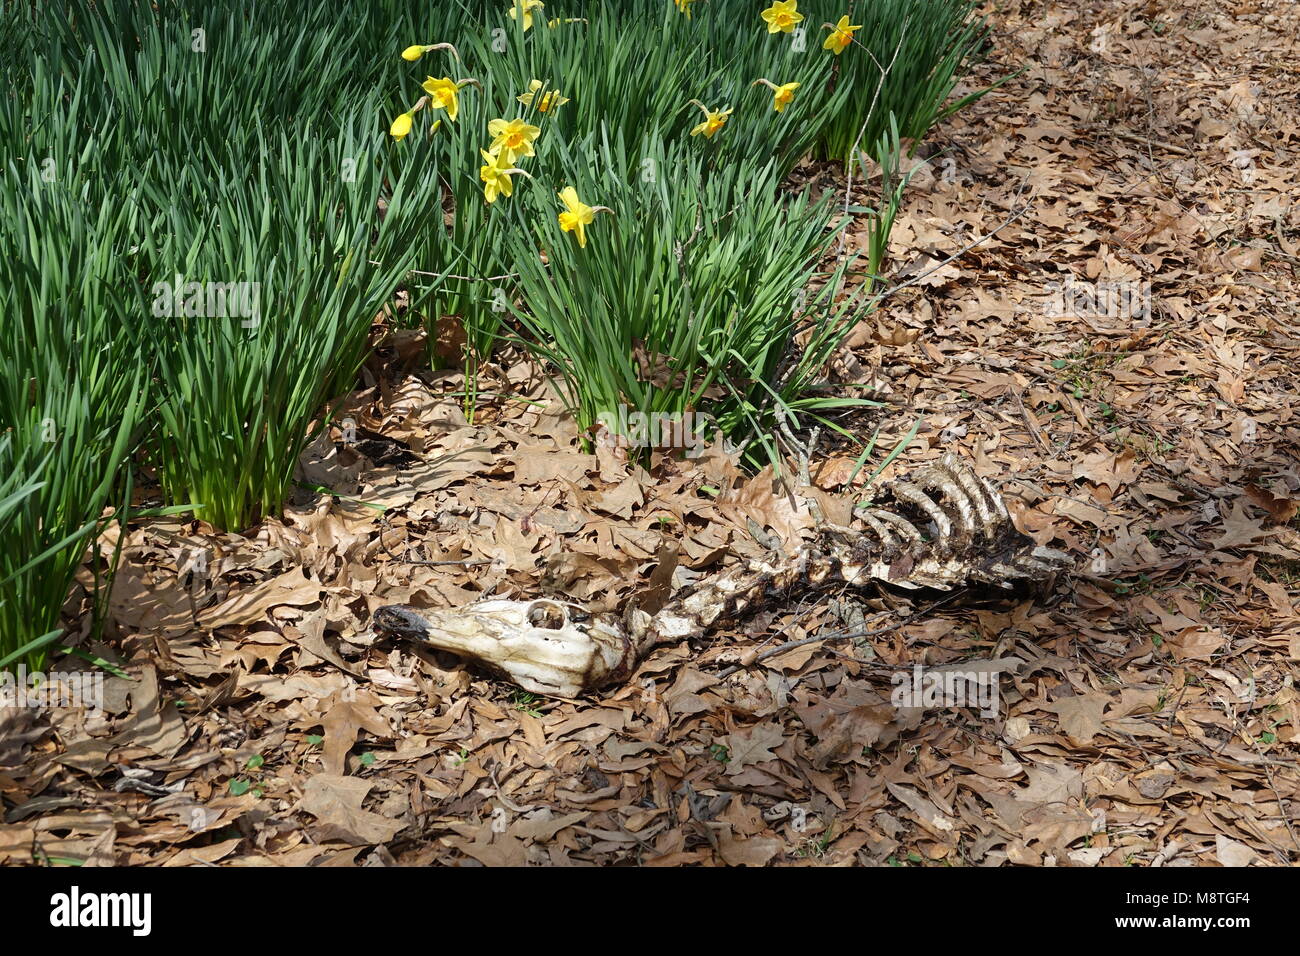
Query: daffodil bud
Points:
[402, 125]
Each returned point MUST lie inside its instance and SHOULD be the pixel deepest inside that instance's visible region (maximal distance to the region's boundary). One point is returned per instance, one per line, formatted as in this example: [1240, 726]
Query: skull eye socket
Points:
[546, 615]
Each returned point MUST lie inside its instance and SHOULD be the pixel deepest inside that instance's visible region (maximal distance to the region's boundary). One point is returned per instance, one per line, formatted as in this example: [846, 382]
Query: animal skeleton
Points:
[944, 528]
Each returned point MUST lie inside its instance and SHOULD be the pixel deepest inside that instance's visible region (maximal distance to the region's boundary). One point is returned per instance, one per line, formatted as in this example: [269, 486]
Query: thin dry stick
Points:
[1035, 430]
[1145, 141]
[447, 275]
[1268, 772]
[441, 275]
[969, 246]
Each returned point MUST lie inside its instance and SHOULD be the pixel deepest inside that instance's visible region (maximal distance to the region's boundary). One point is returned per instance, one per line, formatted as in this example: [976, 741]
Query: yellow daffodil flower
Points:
[684, 6]
[547, 102]
[496, 173]
[513, 139]
[782, 15]
[577, 215]
[841, 35]
[714, 120]
[782, 95]
[443, 94]
[402, 125]
[525, 9]
[413, 53]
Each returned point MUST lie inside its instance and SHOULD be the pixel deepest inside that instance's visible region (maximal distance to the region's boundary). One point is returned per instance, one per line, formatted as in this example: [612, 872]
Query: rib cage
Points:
[961, 535]
[942, 527]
